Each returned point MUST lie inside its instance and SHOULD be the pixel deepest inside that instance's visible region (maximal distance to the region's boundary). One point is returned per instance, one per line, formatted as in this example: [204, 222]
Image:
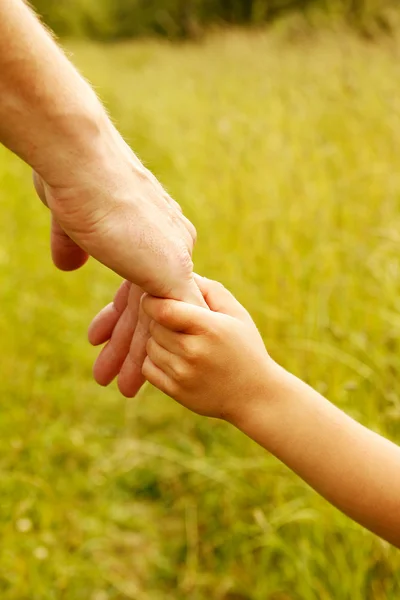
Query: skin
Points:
[214, 362]
[103, 202]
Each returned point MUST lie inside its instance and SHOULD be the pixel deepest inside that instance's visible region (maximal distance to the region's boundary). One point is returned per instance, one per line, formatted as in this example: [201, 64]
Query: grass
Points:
[286, 155]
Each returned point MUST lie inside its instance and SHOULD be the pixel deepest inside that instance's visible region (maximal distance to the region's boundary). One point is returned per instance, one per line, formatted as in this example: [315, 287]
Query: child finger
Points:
[173, 341]
[158, 378]
[162, 358]
[219, 299]
[176, 315]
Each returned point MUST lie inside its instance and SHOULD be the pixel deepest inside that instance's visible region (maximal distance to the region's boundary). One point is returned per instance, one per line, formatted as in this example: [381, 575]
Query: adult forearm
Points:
[351, 466]
[49, 115]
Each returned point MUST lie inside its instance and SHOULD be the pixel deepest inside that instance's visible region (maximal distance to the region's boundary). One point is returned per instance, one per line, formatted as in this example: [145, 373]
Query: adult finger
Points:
[113, 355]
[130, 378]
[103, 324]
[66, 254]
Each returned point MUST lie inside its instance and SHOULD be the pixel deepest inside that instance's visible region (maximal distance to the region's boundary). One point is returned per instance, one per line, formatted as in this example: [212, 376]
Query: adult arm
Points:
[103, 201]
[98, 190]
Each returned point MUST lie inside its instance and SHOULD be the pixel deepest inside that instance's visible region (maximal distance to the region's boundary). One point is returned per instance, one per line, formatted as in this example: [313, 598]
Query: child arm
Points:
[215, 363]
[354, 468]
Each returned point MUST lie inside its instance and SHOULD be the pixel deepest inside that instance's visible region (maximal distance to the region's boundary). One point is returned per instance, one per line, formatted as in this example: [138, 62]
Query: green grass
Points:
[286, 156]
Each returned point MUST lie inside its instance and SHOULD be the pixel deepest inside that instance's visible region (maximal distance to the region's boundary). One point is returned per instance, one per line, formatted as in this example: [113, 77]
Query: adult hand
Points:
[115, 210]
[104, 203]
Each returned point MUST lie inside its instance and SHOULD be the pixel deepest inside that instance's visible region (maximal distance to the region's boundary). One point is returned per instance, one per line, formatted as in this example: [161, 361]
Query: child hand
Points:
[214, 362]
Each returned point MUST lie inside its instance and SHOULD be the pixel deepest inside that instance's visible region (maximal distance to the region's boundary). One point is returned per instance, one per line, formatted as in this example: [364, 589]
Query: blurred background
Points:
[276, 125]
[116, 19]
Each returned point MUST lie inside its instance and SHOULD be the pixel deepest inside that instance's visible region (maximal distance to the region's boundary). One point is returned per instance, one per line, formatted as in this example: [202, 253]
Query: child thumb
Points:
[219, 299]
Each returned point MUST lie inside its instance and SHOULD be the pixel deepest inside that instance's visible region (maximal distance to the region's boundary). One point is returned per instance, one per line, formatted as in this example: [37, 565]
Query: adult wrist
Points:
[78, 140]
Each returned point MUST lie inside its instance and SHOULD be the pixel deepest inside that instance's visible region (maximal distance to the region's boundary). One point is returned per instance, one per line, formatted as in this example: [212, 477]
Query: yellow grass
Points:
[286, 156]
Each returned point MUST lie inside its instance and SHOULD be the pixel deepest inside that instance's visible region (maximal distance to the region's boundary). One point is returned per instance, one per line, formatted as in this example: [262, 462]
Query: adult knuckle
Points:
[184, 260]
[191, 232]
[175, 204]
[179, 266]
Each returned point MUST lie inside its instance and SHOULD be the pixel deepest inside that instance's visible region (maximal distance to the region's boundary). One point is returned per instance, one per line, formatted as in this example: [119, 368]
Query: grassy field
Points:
[286, 156]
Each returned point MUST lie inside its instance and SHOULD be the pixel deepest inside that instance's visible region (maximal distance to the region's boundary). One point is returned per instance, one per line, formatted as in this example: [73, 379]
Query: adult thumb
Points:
[66, 254]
